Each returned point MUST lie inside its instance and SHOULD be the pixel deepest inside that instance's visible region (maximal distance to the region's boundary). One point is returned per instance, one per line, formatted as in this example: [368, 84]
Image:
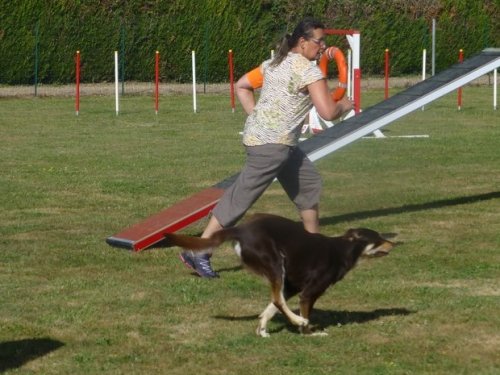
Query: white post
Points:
[495, 89]
[117, 101]
[272, 54]
[193, 58]
[424, 63]
[355, 44]
[433, 47]
[349, 73]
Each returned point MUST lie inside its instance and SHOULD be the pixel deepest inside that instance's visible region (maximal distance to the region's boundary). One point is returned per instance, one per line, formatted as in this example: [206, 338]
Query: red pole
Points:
[77, 97]
[357, 91]
[157, 79]
[231, 78]
[459, 98]
[386, 74]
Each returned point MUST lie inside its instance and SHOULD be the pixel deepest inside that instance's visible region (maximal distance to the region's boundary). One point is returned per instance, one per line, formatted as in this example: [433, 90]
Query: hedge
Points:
[49, 33]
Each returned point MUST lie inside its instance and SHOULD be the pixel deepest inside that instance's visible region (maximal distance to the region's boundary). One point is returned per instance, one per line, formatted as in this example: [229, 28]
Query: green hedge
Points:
[51, 32]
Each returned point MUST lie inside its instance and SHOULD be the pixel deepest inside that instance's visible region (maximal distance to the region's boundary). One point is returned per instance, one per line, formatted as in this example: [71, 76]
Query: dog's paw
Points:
[301, 322]
[261, 331]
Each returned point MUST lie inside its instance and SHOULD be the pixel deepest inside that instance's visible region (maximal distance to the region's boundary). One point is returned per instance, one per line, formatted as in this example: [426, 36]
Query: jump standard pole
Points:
[77, 96]
[386, 91]
[459, 94]
[231, 78]
[157, 79]
[117, 79]
[193, 58]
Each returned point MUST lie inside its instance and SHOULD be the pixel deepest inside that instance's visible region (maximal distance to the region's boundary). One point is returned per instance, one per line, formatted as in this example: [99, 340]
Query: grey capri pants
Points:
[290, 165]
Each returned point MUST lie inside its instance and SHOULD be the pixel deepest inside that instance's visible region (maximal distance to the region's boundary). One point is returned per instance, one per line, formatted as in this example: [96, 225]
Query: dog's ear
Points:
[351, 234]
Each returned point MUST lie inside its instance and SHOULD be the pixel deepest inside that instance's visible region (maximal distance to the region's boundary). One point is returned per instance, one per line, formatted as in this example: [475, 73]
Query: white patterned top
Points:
[284, 102]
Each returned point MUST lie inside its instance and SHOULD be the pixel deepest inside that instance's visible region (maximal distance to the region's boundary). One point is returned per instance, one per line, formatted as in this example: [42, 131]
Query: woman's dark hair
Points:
[304, 29]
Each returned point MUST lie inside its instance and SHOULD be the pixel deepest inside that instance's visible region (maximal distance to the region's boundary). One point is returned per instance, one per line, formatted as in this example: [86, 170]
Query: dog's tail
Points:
[200, 244]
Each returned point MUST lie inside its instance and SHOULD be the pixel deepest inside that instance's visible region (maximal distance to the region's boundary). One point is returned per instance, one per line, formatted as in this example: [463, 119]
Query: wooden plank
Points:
[151, 230]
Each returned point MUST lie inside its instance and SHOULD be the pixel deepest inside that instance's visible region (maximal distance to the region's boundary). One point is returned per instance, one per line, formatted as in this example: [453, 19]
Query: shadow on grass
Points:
[409, 208]
[325, 319]
[14, 354]
[322, 319]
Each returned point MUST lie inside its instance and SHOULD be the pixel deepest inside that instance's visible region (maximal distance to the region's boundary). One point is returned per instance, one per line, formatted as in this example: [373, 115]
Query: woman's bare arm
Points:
[322, 100]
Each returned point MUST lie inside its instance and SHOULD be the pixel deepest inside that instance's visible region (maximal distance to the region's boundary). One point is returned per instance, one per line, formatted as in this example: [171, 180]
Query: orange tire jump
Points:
[330, 54]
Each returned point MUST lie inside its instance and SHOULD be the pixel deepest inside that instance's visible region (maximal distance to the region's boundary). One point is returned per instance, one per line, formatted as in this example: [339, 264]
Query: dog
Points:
[292, 260]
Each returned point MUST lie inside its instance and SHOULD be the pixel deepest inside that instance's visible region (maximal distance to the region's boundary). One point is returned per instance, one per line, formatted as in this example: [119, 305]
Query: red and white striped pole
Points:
[386, 91]
[231, 78]
[459, 96]
[77, 97]
[157, 80]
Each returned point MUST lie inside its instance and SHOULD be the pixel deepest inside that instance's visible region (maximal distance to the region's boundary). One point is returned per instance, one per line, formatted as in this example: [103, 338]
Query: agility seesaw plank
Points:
[401, 104]
[191, 209]
[151, 231]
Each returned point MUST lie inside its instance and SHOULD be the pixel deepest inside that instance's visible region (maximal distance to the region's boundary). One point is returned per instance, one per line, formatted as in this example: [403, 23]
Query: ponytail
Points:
[282, 50]
[303, 30]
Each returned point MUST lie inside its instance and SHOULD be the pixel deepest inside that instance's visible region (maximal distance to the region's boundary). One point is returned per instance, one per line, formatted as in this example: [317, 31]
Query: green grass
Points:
[69, 303]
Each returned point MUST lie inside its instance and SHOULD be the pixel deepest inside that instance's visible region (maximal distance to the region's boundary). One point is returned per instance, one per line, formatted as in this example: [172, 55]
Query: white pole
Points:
[272, 54]
[433, 47]
[349, 73]
[193, 57]
[117, 101]
[424, 63]
[495, 89]
[355, 44]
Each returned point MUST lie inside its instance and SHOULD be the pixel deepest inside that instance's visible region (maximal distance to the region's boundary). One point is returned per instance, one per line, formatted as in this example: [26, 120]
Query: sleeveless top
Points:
[284, 102]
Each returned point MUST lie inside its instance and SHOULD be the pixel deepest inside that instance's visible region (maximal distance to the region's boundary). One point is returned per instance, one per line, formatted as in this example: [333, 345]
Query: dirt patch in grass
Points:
[147, 88]
[108, 89]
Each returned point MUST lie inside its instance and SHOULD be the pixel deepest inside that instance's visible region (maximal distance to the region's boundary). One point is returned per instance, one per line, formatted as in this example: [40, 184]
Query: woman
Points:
[292, 84]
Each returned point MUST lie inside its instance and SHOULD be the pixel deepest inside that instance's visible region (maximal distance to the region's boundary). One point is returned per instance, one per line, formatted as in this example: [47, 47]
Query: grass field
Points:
[69, 303]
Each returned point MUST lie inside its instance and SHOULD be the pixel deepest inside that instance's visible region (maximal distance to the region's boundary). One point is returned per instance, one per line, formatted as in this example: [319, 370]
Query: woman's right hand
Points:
[346, 104]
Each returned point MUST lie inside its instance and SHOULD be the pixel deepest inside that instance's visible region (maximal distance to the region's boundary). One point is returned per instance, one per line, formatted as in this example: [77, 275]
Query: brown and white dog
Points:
[292, 259]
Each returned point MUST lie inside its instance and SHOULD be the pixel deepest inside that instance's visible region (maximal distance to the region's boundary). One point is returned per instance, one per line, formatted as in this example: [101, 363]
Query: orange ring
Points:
[333, 53]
